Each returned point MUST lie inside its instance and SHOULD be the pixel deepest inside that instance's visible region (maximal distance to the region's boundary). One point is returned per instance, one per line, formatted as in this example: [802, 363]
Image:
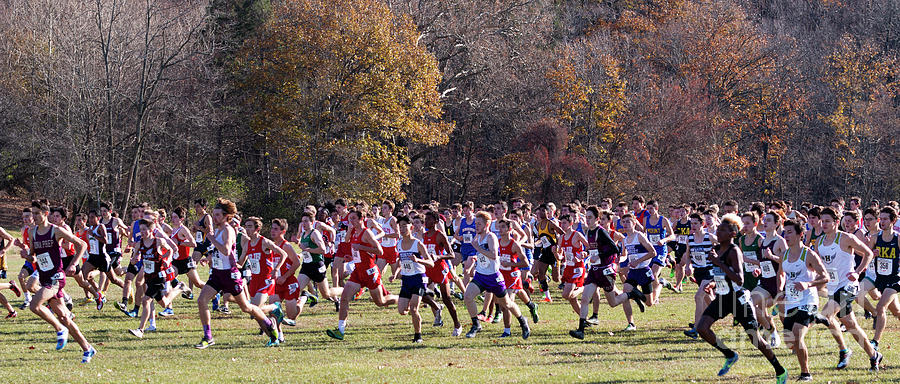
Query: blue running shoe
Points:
[62, 338]
[88, 355]
[728, 364]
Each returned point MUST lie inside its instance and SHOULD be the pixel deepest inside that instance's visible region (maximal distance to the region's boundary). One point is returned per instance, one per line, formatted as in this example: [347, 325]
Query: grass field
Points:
[378, 349]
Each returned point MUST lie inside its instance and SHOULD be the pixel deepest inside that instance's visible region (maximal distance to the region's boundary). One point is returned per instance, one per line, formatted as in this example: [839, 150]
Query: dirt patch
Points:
[11, 210]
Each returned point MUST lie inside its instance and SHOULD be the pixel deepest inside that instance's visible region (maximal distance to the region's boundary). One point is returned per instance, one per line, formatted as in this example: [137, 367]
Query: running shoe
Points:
[526, 330]
[100, 302]
[15, 288]
[875, 362]
[874, 344]
[139, 333]
[132, 313]
[729, 362]
[844, 358]
[205, 343]
[167, 312]
[805, 377]
[497, 318]
[12, 315]
[122, 307]
[150, 328]
[418, 339]
[278, 313]
[289, 322]
[781, 379]
[335, 334]
[505, 334]
[481, 316]
[68, 300]
[458, 296]
[473, 331]
[547, 299]
[456, 332]
[577, 334]
[188, 295]
[692, 333]
[630, 327]
[438, 321]
[224, 309]
[593, 320]
[312, 300]
[774, 339]
[88, 355]
[534, 313]
[62, 339]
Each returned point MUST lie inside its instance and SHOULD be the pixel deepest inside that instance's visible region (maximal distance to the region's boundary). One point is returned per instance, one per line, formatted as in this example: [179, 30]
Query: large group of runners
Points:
[755, 263]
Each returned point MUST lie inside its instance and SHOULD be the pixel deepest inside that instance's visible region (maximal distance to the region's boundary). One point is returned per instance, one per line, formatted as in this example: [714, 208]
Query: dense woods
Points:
[277, 103]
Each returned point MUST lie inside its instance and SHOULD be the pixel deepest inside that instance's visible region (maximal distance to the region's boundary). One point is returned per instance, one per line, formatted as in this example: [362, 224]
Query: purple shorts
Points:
[596, 275]
[491, 283]
[226, 281]
[640, 277]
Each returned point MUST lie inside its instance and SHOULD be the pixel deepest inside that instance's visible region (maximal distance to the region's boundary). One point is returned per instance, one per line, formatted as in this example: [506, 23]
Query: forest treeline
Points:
[276, 103]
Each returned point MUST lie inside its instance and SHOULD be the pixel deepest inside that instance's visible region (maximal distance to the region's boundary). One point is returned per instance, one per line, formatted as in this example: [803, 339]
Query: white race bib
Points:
[482, 261]
[339, 237]
[884, 266]
[768, 270]
[654, 238]
[355, 254]
[577, 272]
[109, 238]
[254, 264]
[307, 257]
[467, 238]
[372, 271]
[388, 242]
[407, 266]
[750, 268]
[44, 262]
[682, 239]
[832, 275]
[792, 295]
[698, 257]
[198, 237]
[431, 249]
[217, 261]
[721, 284]
[149, 266]
[94, 246]
[609, 271]
[751, 255]
[545, 242]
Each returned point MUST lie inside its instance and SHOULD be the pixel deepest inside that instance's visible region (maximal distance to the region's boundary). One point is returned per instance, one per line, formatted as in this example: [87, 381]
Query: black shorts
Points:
[134, 269]
[887, 282]
[412, 285]
[203, 247]
[680, 250]
[114, 259]
[156, 289]
[328, 261]
[184, 266]
[803, 315]
[646, 288]
[454, 247]
[702, 274]
[100, 262]
[315, 271]
[734, 303]
[844, 298]
[66, 261]
[547, 256]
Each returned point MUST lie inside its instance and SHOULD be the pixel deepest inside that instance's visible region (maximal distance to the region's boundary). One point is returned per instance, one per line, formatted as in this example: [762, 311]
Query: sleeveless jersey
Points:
[546, 237]
[223, 262]
[467, 232]
[199, 236]
[724, 285]
[309, 257]
[505, 253]
[887, 265]
[571, 252]
[601, 245]
[485, 265]
[838, 263]
[385, 224]
[365, 259]
[409, 267]
[47, 254]
[157, 266]
[184, 251]
[112, 236]
[682, 230]
[636, 250]
[699, 250]
[261, 263]
[797, 272]
[751, 252]
[95, 248]
[655, 233]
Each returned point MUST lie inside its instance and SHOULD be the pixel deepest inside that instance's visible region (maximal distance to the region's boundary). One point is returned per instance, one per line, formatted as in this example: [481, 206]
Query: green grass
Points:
[378, 348]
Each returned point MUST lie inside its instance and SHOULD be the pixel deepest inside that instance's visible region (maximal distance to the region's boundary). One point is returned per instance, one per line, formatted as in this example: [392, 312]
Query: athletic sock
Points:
[775, 364]
[582, 324]
[207, 332]
[725, 351]
[522, 320]
[544, 286]
[475, 321]
[595, 314]
[341, 325]
[530, 304]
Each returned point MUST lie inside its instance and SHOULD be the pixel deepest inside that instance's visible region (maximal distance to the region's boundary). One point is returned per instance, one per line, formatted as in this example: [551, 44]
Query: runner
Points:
[48, 256]
[440, 274]
[287, 287]
[133, 273]
[639, 251]
[887, 267]
[572, 245]
[98, 259]
[603, 257]
[547, 231]
[837, 249]
[27, 275]
[815, 226]
[312, 271]
[465, 232]
[658, 230]
[699, 243]
[6, 241]
[512, 258]
[732, 298]
[413, 258]
[487, 277]
[682, 230]
[750, 244]
[804, 273]
[771, 282]
[156, 256]
[184, 263]
[364, 248]
[388, 225]
[225, 276]
[260, 253]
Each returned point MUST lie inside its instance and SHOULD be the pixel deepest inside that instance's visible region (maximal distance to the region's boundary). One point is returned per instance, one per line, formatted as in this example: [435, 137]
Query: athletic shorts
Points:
[66, 261]
[343, 250]
[369, 277]
[156, 289]
[454, 246]
[660, 258]
[572, 275]
[328, 260]
[640, 277]
[226, 281]
[204, 247]
[100, 262]
[390, 254]
[135, 268]
[114, 259]
[288, 291]
[53, 281]
[844, 297]
[28, 267]
[885, 282]
[702, 274]
[803, 315]
[512, 279]
[734, 303]
[529, 254]
[680, 250]
[603, 276]
[259, 284]
[315, 271]
[412, 285]
[547, 256]
[184, 266]
[490, 283]
[440, 273]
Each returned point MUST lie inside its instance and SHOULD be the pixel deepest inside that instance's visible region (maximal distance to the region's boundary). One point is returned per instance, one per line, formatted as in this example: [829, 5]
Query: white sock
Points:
[152, 322]
[506, 330]
[27, 296]
[341, 325]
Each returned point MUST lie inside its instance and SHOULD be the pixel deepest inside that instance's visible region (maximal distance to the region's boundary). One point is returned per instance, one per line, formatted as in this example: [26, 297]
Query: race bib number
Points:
[577, 272]
[682, 239]
[721, 284]
[372, 271]
[388, 242]
[57, 276]
[355, 254]
[751, 255]
[339, 237]
[609, 271]
[570, 258]
[792, 295]
[884, 266]
[514, 274]
[254, 264]
[698, 257]
[198, 237]
[750, 268]
[467, 238]
[743, 298]
[407, 266]
[235, 275]
[149, 266]
[109, 238]
[593, 253]
[654, 238]
[217, 262]
[94, 246]
[768, 270]
[307, 257]
[44, 262]
[482, 261]
[545, 242]
[832, 275]
[431, 249]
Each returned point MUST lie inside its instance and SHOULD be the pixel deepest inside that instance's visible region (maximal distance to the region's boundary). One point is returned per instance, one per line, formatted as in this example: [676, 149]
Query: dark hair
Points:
[340, 202]
[798, 228]
[638, 198]
[105, 204]
[566, 218]
[403, 219]
[146, 223]
[892, 213]
[282, 223]
[695, 215]
[181, 212]
[307, 214]
[853, 214]
[594, 211]
[815, 212]
[752, 215]
[93, 212]
[62, 212]
[39, 204]
[830, 212]
[201, 202]
[871, 211]
[255, 220]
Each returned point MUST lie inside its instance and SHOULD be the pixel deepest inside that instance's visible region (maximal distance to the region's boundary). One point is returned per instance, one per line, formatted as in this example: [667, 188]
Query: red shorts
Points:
[512, 278]
[366, 276]
[390, 254]
[288, 291]
[259, 284]
[573, 275]
[439, 273]
[343, 250]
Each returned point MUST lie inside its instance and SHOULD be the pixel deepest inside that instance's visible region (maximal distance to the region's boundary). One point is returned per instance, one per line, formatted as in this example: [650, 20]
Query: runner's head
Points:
[652, 207]
[627, 221]
[252, 225]
[80, 220]
[200, 206]
[637, 203]
[836, 204]
[355, 218]
[149, 214]
[105, 210]
[621, 207]
[27, 217]
[793, 232]
[223, 212]
[503, 226]
[886, 218]
[750, 220]
[591, 215]
[829, 220]
[58, 215]
[418, 222]
[772, 220]
[387, 208]
[730, 206]
[340, 205]
[696, 222]
[467, 208]
[814, 215]
[136, 212]
[541, 212]
[605, 204]
[93, 218]
[431, 220]
[161, 213]
[178, 216]
[147, 227]
[500, 209]
[855, 203]
[404, 226]
[605, 218]
[870, 219]
[306, 221]
[41, 212]
[482, 221]
[278, 228]
[850, 221]
[728, 228]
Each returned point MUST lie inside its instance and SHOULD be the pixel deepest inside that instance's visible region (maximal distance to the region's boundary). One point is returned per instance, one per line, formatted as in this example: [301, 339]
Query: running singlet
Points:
[364, 259]
[699, 250]
[47, 255]
[286, 266]
[546, 237]
[307, 242]
[184, 251]
[222, 262]
[601, 246]
[725, 285]
[94, 245]
[485, 265]
[797, 272]
[506, 254]
[837, 262]
[385, 224]
[751, 252]
[655, 233]
[261, 263]
[887, 265]
[572, 255]
[467, 232]
[682, 231]
[199, 235]
[636, 250]
[437, 273]
[409, 267]
[112, 236]
[157, 267]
